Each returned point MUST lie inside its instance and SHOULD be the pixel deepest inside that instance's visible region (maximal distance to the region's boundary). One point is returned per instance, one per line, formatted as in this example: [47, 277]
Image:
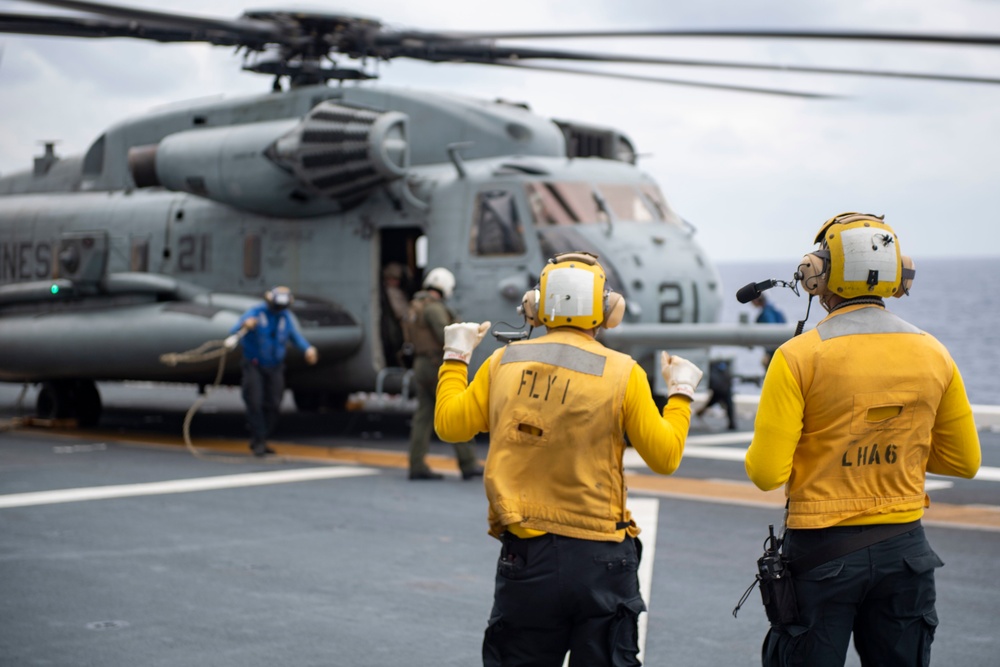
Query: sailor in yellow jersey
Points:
[557, 409]
[852, 416]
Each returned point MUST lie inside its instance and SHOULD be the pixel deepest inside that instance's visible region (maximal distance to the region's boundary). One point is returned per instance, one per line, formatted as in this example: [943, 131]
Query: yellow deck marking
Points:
[745, 493]
[707, 490]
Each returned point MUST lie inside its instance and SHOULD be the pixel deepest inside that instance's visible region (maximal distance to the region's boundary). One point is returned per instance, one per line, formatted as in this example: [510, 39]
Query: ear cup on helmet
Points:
[529, 307]
[811, 274]
[614, 310]
[909, 272]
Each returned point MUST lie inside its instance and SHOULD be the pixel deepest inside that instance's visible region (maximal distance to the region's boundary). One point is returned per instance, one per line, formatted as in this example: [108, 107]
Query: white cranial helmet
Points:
[442, 280]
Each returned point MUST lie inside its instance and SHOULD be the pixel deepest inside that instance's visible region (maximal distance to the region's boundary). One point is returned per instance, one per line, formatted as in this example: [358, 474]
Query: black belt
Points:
[850, 544]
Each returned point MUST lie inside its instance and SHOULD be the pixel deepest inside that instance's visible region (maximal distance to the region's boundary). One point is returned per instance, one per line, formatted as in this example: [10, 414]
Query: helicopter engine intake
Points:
[326, 162]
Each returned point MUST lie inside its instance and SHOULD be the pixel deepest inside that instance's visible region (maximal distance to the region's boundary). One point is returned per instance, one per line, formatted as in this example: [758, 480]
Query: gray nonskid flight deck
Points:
[359, 570]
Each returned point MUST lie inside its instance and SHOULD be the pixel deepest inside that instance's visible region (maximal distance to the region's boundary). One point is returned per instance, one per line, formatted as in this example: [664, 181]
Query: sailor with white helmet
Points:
[852, 415]
[557, 409]
[423, 329]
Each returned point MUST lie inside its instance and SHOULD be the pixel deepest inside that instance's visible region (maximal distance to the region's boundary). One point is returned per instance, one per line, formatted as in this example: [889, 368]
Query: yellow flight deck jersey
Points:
[852, 416]
[557, 408]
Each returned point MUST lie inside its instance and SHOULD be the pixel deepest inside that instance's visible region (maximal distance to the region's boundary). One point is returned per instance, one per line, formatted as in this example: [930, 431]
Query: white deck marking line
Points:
[987, 474]
[633, 461]
[181, 485]
[646, 512]
[729, 438]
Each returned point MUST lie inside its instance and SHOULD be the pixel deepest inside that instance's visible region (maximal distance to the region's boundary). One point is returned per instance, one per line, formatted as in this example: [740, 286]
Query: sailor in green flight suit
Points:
[424, 330]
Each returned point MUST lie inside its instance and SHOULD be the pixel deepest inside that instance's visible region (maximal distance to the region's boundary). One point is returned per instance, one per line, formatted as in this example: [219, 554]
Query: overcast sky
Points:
[756, 175]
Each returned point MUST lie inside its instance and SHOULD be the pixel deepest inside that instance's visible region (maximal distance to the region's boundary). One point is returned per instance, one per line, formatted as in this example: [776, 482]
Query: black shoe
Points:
[262, 452]
[425, 474]
[472, 473]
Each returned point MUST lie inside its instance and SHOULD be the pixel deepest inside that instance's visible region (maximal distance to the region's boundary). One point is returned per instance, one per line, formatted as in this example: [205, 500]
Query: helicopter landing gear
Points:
[312, 400]
[69, 399]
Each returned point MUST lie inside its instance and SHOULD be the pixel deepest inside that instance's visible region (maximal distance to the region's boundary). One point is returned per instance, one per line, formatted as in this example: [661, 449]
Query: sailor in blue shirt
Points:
[267, 328]
[768, 315]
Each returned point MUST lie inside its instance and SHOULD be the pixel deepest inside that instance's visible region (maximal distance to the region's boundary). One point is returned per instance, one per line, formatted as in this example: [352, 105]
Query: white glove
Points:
[461, 339]
[681, 375]
[231, 342]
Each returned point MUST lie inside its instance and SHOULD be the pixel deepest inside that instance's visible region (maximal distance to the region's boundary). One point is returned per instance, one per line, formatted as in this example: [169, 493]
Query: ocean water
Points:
[952, 299]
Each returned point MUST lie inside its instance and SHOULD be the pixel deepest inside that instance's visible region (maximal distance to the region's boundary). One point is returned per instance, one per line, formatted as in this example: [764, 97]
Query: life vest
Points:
[417, 332]
[556, 446]
[871, 383]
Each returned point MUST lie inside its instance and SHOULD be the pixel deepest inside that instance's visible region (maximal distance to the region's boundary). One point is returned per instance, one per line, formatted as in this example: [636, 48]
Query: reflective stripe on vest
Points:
[557, 354]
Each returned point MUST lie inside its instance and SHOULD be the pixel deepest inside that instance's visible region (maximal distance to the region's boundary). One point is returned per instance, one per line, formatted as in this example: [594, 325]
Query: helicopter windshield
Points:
[497, 229]
[555, 203]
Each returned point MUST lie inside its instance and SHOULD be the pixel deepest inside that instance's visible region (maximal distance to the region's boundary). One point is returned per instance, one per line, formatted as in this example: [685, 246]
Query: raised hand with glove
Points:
[461, 338]
[233, 340]
[681, 376]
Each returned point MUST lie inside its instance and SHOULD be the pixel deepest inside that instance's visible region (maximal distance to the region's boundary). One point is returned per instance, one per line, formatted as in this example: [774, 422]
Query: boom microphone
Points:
[748, 293]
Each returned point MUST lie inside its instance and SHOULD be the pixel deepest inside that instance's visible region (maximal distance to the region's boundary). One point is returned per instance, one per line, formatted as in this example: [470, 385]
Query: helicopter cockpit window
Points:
[586, 203]
[627, 203]
[653, 195]
[497, 228]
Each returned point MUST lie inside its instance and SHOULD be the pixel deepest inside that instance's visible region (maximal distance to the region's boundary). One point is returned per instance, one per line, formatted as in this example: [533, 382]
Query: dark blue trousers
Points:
[556, 594]
[263, 388]
[883, 594]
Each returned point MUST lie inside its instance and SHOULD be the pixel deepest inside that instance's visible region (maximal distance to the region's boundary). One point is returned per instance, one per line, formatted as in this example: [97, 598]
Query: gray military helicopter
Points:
[173, 223]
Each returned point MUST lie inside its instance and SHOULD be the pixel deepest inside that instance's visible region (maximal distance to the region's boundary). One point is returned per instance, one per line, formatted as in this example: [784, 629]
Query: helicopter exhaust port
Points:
[341, 153]
[327, 162]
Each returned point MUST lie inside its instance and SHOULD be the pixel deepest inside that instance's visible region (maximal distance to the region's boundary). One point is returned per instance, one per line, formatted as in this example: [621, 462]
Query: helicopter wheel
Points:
[307, 401]
[317, 401]
[65, 399]
[86, 402]
[54, 400]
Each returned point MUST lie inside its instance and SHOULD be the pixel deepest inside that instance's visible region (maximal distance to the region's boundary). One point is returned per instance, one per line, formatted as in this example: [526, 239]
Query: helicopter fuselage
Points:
[157, 239]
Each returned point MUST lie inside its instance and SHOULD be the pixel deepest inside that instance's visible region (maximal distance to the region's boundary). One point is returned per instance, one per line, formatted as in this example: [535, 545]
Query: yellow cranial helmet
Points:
[572, 293]
[859, 255]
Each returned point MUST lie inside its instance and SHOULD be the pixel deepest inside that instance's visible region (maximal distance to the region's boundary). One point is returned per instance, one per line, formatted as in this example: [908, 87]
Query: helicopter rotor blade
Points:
[312, 37]
[655, 79]
[247, 28]
[66, 26]
[833, 35]
[468, 52]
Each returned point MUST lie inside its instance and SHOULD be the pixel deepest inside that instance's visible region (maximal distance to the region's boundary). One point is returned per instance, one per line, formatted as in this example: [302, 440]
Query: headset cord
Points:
[802, 323]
